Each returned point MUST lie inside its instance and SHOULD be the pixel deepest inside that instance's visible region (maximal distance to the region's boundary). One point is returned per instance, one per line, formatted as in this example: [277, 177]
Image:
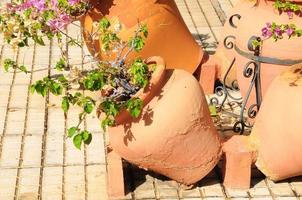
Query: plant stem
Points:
[78, 44]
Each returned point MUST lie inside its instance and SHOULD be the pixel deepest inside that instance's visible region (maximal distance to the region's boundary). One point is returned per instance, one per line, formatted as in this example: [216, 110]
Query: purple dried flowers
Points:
[277, 31]
[38, 19]
[60, 22]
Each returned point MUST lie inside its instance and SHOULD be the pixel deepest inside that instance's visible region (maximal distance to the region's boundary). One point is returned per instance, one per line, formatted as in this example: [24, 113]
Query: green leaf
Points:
[65, 104]
[135, 106]
[104, 23]
[94, 81]
[63, 81]
[88, 107]
[137, 43]
[32, 89]
[23, 69]
[110, 108]
[213, 110]
[87, 137]
[256, 43]
[27, 13]
[41, 88]
[61, 64]
[72, 131]
[63, 3]
[139, 73]
[9, 63]
[107, 122]
[56, 88]
[144, 30]
[88, 84]
[21, 44]
[39, 40]
[77, 141]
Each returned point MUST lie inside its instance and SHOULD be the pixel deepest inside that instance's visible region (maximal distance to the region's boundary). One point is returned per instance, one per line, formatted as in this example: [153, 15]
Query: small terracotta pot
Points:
[174, 135]
[251, 23]
[168, 35]
[276, 135]
[224, 56]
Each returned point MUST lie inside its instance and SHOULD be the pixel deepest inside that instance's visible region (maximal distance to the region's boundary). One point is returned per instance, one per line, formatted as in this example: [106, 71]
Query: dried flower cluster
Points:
[36, 19]
[277, 32]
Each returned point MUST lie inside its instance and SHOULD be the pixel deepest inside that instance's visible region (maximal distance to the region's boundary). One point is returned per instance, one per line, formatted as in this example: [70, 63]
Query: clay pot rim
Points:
[145, 94]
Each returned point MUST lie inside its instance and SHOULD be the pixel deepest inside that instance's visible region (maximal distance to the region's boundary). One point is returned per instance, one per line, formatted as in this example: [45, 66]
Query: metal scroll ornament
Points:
[252, 71]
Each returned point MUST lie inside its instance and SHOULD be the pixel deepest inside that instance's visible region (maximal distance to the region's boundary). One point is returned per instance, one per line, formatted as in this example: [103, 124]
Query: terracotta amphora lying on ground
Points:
[174, 136]
[168, 37]
[275, 142]
[276, 135]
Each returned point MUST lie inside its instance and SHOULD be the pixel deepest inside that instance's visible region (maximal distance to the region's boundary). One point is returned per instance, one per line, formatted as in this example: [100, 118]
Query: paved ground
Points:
[38, 162]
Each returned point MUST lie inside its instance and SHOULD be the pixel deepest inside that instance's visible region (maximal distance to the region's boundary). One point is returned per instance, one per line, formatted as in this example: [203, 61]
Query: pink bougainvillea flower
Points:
[268, 25]
[266, 32]
[40, 5]
[289, 31]
[54, 4]
[10, 7]
[278, 31]
[290, 13]
[73, 2]
[59, 23]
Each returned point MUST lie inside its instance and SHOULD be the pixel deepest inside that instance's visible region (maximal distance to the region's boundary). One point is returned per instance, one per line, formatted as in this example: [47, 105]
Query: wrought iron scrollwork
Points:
[251, 71]
[229, 44]
[231, 22]
[239, 127]
[252, 111]
[223, 91]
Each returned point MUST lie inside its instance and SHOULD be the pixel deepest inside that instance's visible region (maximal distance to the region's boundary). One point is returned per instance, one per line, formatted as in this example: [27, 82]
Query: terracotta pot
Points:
[174, 135]
[223, 55]
[251, 23]
[276, 135]
[168, 35]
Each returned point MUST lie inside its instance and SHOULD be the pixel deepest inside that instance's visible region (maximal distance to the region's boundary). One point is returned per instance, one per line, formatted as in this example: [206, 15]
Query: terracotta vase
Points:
[276, 135]
[168, 35]
[174, 136]
[224, 56]
[251, 23]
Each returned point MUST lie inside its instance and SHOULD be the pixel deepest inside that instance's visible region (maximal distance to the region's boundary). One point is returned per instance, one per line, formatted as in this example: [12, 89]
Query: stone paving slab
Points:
[38, 162]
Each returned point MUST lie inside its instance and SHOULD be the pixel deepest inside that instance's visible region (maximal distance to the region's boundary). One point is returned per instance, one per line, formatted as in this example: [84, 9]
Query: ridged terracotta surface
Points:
[251, 23]
[276, 135]
[168, 37]
[175, 135]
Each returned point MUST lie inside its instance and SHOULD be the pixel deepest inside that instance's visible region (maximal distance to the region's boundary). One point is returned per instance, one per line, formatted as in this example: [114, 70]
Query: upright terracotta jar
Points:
[168, 35]
[286, 50]
[175, 135]
[276, 136]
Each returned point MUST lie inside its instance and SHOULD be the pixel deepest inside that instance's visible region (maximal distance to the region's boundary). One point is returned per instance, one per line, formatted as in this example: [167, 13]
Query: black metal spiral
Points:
[252, 111]
[229, 44]
[231, 22]
[248, 71]
[239, 127]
